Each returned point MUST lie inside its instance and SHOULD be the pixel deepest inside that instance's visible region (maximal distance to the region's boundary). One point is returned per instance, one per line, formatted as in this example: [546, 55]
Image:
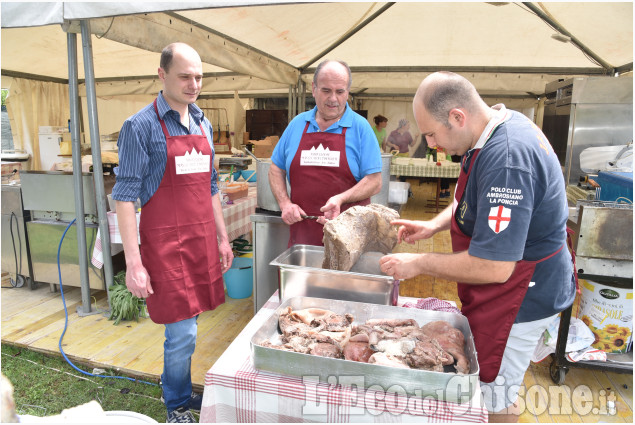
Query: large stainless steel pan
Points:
[445, 386]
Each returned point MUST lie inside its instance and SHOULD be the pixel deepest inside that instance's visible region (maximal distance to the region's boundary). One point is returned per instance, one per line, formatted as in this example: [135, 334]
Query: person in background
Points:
[166, 158]
[380, 130]
[401, 139]
[330, 155]
[508, 230]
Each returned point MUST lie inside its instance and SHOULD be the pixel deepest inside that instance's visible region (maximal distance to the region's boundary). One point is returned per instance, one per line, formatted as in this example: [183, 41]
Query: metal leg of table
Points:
[438, 194]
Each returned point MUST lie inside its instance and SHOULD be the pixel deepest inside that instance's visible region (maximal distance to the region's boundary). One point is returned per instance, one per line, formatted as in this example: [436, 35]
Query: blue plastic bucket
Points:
[239, 279]
[250, 175]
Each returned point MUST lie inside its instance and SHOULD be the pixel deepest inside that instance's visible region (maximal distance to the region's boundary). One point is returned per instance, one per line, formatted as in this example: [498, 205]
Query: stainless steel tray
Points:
[301, 275]
[439, 385]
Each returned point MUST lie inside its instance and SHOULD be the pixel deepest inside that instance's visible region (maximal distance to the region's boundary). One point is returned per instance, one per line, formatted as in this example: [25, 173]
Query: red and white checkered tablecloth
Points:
[236, 217]
[445, 170]
[236, 392]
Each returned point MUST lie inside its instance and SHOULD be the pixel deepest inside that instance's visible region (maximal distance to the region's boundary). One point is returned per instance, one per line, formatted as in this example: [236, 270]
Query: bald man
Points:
[330, 156]
[165, 159]
[508, 229]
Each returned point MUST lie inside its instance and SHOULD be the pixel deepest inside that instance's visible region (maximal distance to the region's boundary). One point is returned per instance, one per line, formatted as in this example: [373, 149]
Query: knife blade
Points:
[310, 217]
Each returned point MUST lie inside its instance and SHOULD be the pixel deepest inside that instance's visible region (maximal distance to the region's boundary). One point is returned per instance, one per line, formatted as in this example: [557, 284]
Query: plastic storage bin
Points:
[398, 192]
[239, 279]
[249, 175]
[614, 186]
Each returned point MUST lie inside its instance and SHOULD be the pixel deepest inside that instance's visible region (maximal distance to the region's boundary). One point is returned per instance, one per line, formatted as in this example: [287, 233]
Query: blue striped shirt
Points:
[143, 150]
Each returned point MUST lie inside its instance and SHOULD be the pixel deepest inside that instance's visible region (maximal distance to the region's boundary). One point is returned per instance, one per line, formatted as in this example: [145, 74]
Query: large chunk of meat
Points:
[326, 350]
[427, 354]
[451, 340]
[384, 359]
[357, 351]
[357, 230]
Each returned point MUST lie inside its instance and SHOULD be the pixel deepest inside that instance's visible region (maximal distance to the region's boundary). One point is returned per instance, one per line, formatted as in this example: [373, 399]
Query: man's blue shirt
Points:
[362, 150]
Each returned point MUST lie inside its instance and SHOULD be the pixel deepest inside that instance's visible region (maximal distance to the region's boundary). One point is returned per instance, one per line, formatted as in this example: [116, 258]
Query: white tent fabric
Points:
[257, 48]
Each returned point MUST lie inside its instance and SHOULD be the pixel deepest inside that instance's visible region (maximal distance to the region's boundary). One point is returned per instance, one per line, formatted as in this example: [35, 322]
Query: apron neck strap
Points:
[164, 127]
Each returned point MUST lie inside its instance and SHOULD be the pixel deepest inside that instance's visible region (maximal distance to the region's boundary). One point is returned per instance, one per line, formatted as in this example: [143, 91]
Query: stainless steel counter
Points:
[270, 239]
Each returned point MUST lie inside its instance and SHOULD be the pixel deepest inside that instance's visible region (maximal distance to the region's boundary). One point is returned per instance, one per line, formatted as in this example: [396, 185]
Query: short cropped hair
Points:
[449, 92]
[344, 64]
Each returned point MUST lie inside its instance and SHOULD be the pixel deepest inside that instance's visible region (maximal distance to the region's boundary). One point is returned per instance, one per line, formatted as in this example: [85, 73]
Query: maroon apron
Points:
[312, 186]
[490, 308]
[179, 248]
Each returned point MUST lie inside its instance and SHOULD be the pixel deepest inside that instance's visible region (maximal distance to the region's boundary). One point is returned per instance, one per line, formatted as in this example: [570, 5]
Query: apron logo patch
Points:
[499, 218]
[194, 162]
[320, 157]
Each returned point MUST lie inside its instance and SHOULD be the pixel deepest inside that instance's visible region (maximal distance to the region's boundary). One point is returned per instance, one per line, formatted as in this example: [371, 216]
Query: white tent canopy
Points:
[277, 42]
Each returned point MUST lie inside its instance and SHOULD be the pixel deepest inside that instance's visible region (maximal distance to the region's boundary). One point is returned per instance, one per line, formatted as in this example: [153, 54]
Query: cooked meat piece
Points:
[451, 340]
[428, 354]
[357, 230]
[324, 319]
[326, 350]
[388, 360]
[290, 325]
[267, 344]
[339, 337]
[298, 344]
[388, 324]
[357, 351]
[395, 347]
[361, 337]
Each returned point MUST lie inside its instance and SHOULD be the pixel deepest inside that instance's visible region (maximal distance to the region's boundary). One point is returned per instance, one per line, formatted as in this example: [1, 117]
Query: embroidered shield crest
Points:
[499, 218]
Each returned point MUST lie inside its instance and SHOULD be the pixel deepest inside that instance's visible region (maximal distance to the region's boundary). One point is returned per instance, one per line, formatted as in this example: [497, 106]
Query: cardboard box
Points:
[236, 190]
[262, 151]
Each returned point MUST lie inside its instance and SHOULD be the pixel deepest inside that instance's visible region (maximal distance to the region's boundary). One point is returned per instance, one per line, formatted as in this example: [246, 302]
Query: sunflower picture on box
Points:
[608, 312]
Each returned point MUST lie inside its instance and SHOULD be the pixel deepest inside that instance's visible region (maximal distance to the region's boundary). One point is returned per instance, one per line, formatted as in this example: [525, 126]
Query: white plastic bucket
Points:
[608, 312]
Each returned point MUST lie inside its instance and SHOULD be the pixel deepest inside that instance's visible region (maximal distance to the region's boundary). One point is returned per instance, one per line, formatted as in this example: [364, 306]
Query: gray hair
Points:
[344, 64]
[447, 91]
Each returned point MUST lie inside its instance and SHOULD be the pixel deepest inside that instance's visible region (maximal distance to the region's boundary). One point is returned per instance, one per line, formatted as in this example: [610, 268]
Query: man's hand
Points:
[292, 213]
[332, 208]
[226, 256]
[411, 231]
[138, 281]
[401, 266]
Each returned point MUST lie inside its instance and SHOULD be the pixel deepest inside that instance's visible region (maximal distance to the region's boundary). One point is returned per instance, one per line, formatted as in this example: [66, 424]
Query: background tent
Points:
[255, 50]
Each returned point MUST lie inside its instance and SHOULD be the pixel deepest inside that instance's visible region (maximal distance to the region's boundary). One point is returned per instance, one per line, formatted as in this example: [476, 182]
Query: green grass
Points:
[45, 385]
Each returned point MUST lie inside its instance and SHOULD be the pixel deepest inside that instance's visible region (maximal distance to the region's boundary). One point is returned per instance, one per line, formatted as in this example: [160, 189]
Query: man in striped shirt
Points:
[166, 158]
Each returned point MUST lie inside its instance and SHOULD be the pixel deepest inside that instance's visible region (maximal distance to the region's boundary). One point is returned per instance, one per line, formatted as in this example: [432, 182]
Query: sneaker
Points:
[195, 403]
[196, 400]
[182, 415]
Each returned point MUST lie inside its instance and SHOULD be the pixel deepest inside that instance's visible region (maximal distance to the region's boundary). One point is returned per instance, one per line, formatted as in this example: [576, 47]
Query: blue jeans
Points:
[179, 345]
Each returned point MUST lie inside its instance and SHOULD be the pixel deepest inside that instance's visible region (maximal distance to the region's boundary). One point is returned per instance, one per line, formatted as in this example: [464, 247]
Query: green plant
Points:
[44, 385]
[124, 305]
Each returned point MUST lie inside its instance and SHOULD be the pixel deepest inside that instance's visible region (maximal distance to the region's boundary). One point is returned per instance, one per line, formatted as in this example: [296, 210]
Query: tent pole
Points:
[98, 174]
[302, 107]
[610, 69]
[78, 186]
[289, 111]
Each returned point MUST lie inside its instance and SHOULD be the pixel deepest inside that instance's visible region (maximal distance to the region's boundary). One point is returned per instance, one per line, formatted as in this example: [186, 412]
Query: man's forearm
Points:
[127, 220]
[465, 268]
[365, 188]
[221, 230]
[278, 184]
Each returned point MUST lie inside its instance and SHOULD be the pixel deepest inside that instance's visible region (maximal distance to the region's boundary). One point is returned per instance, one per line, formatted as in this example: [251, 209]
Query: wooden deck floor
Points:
[35, 319]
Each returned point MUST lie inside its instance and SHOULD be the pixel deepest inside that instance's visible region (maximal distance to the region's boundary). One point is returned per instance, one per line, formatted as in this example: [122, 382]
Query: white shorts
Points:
[522, 341]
